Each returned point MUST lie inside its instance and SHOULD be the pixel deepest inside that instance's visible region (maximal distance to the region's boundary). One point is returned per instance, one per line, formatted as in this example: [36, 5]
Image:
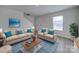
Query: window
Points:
[58, 23]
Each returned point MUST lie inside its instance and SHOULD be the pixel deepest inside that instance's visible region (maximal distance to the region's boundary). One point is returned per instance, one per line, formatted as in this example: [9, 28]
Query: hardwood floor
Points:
[65, 45]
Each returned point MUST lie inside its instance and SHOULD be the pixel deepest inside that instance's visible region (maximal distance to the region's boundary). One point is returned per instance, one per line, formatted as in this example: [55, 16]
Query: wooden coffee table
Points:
[32, 47]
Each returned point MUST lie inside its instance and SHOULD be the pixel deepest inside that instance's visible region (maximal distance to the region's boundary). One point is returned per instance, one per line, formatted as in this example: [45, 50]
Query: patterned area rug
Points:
[47, 47]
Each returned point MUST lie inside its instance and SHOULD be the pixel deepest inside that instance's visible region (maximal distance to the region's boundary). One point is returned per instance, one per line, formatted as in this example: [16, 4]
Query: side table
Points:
[1, 41]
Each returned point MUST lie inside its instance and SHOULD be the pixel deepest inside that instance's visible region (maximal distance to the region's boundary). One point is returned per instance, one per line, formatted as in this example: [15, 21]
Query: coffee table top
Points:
[31, 45]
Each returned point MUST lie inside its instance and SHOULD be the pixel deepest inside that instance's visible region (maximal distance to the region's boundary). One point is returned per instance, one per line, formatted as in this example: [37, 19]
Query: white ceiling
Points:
[38, 10]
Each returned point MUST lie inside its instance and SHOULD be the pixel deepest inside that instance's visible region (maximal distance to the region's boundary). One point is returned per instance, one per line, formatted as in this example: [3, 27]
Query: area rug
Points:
[47, 47]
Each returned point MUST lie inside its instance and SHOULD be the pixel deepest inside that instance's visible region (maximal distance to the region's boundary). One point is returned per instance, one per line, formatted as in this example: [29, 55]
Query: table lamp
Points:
[33, 27]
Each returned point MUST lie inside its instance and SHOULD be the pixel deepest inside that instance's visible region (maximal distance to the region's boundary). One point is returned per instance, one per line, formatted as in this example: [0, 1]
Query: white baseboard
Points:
[65, 36]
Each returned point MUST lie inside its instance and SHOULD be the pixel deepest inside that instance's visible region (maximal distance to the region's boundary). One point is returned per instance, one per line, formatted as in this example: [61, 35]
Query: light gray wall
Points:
[30, 18]
[70, 16]
[6, 13]
[78, 20]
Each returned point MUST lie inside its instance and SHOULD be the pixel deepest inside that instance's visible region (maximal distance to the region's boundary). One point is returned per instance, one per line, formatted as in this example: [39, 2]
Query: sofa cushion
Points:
[8, 34]
[22, 35]
[14, 37]
[29, 30]
[40, 33]
[48, 35]
[29, 33]
[51, 32]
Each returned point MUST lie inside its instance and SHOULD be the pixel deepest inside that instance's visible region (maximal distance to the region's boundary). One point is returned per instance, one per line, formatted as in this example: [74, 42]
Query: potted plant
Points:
[73, 30]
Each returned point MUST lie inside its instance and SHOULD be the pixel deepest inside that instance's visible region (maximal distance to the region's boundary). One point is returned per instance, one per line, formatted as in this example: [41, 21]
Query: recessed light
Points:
[36, 5]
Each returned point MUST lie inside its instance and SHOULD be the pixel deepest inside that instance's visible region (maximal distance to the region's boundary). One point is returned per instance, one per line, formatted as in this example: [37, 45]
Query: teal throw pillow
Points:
[43, 30]
[50, 32]
[8, 34]
[29, 30]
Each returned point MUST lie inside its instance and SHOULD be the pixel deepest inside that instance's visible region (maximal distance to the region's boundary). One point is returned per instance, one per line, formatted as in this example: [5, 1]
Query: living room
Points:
[30, 20]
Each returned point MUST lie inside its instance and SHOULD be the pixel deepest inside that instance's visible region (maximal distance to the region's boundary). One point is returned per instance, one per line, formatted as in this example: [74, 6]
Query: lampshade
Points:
[33, 27]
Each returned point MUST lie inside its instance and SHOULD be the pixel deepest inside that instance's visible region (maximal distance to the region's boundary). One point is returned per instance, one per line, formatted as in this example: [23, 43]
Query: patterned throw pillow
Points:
[19, 32]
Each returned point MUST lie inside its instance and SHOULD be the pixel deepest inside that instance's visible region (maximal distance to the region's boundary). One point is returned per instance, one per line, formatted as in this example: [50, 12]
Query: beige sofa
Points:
[47, 36]
[16, 38]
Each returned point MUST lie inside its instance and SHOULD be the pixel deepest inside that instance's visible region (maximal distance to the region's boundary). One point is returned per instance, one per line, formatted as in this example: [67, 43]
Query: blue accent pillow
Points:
[19, 32]
[43, 30]
[8, 34]
[50, 32]
[29, 30]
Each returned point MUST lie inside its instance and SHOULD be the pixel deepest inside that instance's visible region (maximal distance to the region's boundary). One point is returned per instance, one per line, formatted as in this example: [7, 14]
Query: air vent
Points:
[27, 14]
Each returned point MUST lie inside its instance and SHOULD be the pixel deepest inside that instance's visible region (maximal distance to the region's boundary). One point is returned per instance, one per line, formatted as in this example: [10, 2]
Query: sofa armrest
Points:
[55, 36]
[76, 42]
[4, 36]
[4, 39]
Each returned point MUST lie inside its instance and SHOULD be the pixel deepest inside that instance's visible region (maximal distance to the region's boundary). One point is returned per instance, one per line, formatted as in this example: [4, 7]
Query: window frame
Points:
[61, 25]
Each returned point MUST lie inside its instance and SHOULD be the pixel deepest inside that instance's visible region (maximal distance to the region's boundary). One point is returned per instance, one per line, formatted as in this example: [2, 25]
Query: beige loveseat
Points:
[16, 38]
[47, 36]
